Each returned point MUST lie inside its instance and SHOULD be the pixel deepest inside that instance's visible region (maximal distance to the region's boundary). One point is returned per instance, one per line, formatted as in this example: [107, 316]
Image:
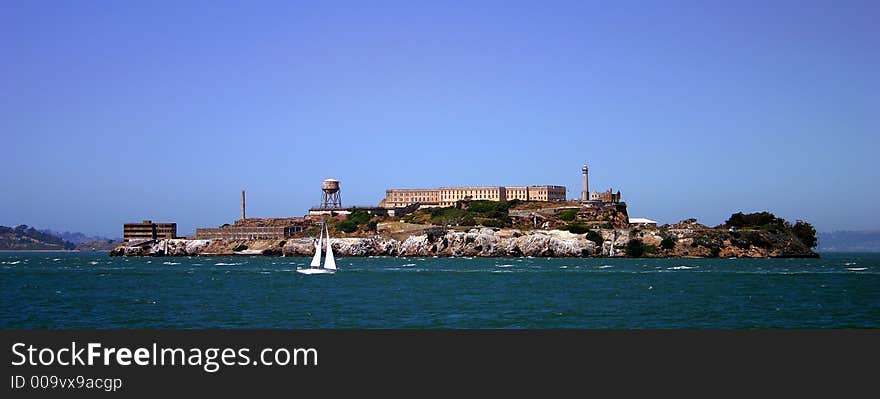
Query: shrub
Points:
[567, 214]
[635, 248]
[492, 223]
[483, 206]
[281, 243]
[595, 237]
[359, 217]
[240, 248]
[577, 228]
[667, 243]
[347, 226]
[373, 225]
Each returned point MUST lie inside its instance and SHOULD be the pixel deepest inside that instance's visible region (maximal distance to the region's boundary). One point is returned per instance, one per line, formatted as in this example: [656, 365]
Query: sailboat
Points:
[329, 261]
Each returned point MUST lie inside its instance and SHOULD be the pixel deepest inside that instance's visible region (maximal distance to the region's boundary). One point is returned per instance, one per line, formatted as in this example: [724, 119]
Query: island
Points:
[484, 228]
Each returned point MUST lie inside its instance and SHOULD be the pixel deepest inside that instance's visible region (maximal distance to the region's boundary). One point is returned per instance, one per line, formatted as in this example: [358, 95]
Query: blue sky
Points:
[120, 111]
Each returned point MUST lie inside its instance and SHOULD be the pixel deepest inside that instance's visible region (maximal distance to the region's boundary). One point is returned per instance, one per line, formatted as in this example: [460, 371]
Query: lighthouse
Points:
[585, 186]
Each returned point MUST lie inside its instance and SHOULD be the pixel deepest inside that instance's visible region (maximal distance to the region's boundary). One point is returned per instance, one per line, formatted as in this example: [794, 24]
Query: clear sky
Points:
[119, 111]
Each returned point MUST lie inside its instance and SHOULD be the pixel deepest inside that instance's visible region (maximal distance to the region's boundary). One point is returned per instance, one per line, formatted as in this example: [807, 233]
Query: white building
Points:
[643, 222]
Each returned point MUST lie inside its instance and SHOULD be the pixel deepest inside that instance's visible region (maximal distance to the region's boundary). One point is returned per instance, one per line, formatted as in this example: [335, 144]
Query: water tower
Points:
[330, 194]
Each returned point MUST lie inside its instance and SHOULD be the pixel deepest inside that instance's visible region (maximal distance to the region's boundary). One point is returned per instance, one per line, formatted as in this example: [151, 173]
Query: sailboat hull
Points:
[315, 271]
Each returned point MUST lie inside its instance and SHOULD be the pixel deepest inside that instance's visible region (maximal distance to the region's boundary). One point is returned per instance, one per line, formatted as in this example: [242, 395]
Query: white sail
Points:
[316, 260]
[330, 262]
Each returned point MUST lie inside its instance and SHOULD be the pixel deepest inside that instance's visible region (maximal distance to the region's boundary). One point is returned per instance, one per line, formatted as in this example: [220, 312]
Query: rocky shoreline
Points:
[675, 241]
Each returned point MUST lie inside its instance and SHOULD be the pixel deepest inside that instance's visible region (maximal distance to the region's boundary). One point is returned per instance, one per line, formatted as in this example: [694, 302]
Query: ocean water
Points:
[92, 290]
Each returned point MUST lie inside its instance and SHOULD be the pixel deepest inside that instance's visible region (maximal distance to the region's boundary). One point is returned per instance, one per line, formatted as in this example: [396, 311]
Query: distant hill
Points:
[849, 241]
[24, 238]
[77, 238]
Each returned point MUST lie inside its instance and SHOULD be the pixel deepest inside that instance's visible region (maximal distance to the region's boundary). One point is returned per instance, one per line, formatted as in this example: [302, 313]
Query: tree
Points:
[805, 232]
[635, 248]
[757, 219]
[667, 243]
[595, 237]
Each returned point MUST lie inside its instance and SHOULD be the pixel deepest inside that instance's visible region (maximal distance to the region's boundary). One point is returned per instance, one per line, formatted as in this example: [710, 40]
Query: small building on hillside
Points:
[643, 222]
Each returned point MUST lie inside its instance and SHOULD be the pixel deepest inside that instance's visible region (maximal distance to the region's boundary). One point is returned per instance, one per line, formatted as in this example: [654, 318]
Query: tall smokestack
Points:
[242, 205]
[585, 186]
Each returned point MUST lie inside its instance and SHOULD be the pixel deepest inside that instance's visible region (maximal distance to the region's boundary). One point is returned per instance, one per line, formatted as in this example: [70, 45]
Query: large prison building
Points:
[448, 196]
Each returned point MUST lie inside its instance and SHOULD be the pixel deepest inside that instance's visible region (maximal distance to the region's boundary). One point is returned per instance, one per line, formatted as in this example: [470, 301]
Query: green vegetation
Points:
[486, 213]
[567, 214]
[763, 220]
[281, 243]
[667, 243]
[595, 237]
[487, 207]
[577, 228]
[635, 248]
[446, 216]
[359, 217]
[767, 221]
[806, 233]
[347, 226]
[240, 248]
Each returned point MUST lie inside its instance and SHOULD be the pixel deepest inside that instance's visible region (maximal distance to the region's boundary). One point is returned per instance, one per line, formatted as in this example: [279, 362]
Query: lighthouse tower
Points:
[585, 186]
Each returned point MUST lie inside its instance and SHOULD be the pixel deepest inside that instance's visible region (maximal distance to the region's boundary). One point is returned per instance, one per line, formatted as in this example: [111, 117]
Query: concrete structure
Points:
[246, 233]
[605, 196]
[254, 229]
[643, 222]
[585, 186]
[448, 196]
[330, 197]
[147, 230]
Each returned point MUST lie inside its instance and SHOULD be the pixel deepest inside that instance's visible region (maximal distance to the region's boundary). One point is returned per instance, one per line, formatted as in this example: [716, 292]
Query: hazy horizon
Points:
[117, 112]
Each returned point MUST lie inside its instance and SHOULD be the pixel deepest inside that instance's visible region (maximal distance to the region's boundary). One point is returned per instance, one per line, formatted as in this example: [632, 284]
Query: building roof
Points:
[642, 221]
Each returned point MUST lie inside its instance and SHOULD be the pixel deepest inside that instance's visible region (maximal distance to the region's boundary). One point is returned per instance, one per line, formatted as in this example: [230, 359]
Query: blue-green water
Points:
[89, 290]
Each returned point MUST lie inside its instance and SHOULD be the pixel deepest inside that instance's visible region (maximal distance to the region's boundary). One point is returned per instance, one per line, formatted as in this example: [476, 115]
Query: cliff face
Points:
[680, 241]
